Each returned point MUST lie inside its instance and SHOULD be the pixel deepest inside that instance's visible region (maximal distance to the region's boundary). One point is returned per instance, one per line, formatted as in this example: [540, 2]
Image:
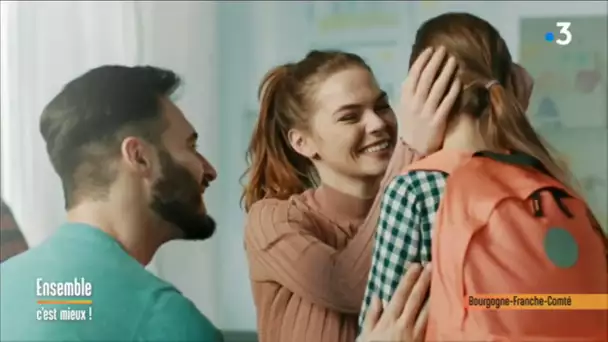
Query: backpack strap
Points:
[443, 161]
[514, 158]
[447, 160]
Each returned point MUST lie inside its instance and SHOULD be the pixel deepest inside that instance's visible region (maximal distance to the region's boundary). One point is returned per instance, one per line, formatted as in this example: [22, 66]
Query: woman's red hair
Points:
[275, 169]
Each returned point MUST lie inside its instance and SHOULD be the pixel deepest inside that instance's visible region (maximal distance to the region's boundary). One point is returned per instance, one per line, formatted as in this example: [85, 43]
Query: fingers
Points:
[416, 298]
[373, 314]
[448, 101]
[400, 297]
[421, 322]
[430, 71]
[411, 81]
[440, 86]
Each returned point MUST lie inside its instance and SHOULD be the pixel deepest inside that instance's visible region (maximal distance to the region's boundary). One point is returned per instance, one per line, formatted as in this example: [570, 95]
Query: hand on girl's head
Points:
[427, 99]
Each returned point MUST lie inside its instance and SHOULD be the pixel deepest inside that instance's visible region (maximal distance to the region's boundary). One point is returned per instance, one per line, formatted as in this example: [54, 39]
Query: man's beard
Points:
[177, 199]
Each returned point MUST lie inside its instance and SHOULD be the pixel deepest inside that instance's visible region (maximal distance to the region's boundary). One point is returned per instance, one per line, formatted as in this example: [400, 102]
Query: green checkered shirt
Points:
[403, 235]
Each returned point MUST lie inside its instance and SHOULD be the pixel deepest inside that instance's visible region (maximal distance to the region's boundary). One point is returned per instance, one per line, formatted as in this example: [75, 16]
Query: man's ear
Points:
[302, 143]
[137, 155]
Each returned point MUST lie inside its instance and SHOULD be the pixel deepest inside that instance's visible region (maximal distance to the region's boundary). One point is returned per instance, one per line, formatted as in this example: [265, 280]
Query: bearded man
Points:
[132, 181]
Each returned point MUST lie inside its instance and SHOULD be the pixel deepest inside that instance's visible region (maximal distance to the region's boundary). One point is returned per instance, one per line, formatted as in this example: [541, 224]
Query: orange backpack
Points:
[504, 226]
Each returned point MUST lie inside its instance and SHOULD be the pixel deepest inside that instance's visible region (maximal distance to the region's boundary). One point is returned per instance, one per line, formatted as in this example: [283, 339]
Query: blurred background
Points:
[222, 49]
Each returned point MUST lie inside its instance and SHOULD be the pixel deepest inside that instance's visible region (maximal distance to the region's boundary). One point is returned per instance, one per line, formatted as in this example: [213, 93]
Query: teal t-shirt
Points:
[80, 285]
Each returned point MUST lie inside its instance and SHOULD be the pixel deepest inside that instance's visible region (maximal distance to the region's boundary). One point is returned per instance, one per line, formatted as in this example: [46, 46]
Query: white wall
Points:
[182, 36]
[45, 44]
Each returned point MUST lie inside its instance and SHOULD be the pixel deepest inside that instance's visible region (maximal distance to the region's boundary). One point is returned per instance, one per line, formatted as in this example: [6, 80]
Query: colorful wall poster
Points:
[568, 103]
[424, 10]
[348, 21]
[570, 80]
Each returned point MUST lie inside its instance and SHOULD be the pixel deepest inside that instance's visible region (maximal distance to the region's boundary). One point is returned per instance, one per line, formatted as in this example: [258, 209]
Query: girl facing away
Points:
[324, 145]
[488, 115]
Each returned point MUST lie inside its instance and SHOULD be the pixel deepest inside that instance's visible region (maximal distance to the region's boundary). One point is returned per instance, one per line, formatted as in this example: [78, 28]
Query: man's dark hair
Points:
[84, 125]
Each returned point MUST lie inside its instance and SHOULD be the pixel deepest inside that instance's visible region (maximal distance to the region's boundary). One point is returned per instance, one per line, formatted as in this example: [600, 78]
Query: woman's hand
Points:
[406, 315]
[423, 109]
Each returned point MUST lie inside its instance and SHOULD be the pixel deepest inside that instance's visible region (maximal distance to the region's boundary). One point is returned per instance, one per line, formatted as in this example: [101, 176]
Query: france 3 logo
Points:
[563, 37]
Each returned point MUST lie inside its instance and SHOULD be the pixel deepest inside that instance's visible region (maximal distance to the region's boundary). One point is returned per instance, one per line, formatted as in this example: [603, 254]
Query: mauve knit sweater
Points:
[309, 260]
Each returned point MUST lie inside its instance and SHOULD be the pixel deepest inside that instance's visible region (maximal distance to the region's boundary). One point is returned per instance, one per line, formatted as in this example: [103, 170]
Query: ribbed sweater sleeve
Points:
[283, 245]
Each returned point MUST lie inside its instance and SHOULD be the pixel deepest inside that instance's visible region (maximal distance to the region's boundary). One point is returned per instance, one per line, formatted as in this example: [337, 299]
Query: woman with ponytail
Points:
[324, 146]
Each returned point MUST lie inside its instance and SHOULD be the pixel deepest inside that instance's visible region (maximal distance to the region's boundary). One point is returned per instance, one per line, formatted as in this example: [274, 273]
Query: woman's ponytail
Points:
[274, 170]
[504, 126]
